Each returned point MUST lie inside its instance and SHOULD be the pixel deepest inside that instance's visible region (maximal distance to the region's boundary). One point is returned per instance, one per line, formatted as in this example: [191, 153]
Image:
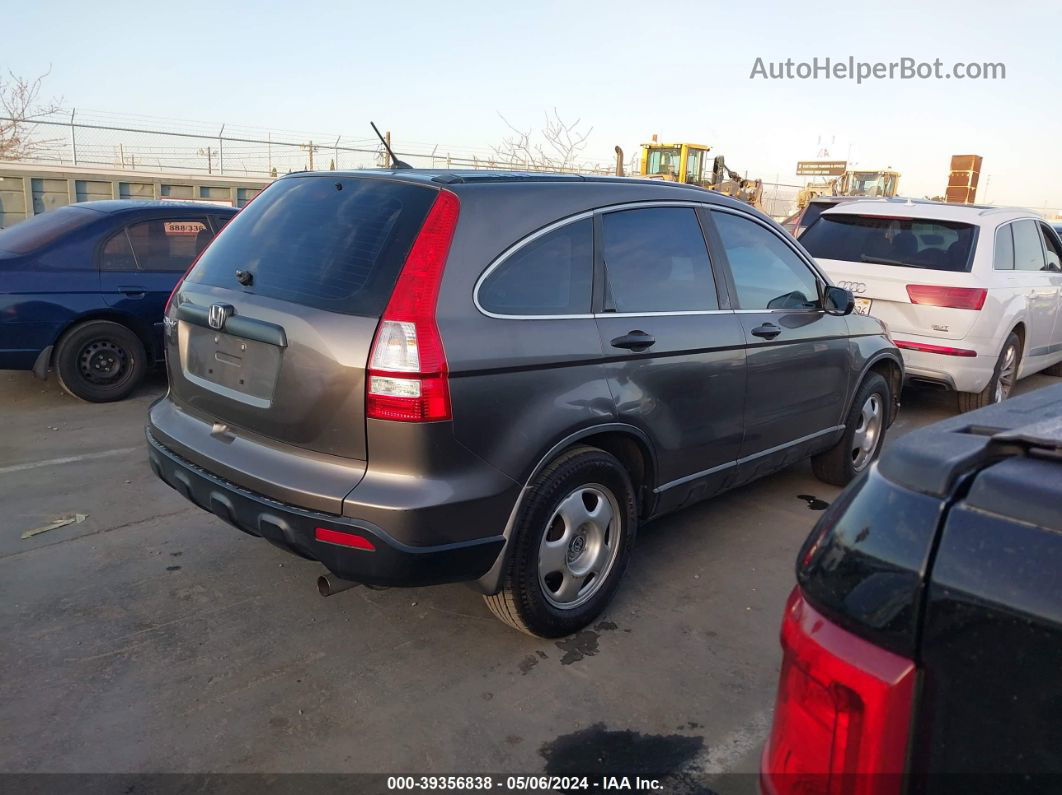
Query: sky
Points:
[446, 73]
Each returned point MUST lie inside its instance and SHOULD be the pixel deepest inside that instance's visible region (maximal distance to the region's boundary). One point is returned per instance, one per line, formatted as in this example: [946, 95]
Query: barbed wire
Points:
[144, 142]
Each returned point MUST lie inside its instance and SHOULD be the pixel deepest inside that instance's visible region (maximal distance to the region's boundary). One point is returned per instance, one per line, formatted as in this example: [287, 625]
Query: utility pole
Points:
[73, 137]
[387, 137]
[309, 147]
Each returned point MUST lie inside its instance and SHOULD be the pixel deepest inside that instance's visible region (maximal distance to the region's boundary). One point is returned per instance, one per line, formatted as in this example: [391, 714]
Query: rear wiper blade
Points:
[886, 261]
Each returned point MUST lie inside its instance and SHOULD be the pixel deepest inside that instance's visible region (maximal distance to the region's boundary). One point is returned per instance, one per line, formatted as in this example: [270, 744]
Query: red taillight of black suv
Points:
[843, 712]
[407, 378]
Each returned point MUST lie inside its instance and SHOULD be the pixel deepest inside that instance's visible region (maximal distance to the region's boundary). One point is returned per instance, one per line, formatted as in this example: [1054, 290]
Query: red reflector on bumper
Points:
[343, 539]
[941, 349]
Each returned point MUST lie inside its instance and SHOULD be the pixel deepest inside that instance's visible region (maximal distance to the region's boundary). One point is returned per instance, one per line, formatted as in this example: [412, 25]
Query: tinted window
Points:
[551, 275]
[1003, 259]
[863, 559]
[1028, 251]
[168, 244]
[1054, 253]
[656, 261]
[905, 242]
[221, 221]
[768, 274]
[811, 215]
[40, 230]
[333, 243]
[117, 254]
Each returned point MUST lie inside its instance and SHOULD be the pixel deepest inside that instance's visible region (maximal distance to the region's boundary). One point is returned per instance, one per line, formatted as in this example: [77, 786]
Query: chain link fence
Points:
[229, 151]
[779, 199]
[131, 143]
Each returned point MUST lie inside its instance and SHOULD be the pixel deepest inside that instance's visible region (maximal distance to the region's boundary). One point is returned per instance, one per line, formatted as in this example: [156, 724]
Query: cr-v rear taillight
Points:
[843, 713]
[407, 377]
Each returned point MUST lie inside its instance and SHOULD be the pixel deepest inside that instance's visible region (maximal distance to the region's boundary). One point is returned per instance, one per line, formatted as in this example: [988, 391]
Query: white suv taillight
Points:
[950, 297]
[407, 378]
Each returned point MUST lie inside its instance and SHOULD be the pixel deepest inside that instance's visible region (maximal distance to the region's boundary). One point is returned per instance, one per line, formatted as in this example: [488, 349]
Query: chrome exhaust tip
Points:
[329, 584]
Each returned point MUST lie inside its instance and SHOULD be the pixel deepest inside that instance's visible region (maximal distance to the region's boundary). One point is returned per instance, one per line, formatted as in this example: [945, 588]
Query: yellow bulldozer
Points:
[690, 164]
[885, 182]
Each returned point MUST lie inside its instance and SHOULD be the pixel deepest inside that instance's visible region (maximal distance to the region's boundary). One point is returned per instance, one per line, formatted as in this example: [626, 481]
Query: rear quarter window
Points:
[903, 242]
[1003, 256]
[333, 243]
[551, 275]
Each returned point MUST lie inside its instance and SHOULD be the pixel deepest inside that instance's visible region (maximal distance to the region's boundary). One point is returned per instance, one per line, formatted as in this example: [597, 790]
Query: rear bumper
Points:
[295, 529]
[961, 373]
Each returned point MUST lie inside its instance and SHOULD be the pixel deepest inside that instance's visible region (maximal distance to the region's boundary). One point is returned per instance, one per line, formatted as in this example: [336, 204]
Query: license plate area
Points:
[862, 306]
[237, 367]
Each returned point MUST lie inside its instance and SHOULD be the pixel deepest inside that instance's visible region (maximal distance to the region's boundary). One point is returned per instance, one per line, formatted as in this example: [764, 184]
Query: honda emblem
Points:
[219, 313]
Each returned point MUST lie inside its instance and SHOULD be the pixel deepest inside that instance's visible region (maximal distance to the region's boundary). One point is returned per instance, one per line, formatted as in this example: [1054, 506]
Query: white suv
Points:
[973, 295]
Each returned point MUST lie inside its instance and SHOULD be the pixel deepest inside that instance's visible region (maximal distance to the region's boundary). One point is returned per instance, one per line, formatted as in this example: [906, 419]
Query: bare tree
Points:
[20, 107]
[555, 147]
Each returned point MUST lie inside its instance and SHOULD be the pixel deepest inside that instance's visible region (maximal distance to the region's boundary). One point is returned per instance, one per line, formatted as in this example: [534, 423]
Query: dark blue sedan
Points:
[83, 287]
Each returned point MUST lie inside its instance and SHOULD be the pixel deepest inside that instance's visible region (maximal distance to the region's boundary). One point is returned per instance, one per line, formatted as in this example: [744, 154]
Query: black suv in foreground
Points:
[923, 644]
[418, 377]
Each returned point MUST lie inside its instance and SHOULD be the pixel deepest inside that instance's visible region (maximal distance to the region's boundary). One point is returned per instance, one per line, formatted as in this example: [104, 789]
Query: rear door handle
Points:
[133, 292]
[768, 331]
[635, 340]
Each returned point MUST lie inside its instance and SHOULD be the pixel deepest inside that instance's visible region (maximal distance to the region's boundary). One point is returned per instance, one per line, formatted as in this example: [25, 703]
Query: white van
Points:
[972, 295]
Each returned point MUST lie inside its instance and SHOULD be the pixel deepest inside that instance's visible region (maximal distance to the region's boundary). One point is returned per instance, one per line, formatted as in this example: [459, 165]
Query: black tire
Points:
[968, 401]
[523, 602]
[842, 462]
[100, 361]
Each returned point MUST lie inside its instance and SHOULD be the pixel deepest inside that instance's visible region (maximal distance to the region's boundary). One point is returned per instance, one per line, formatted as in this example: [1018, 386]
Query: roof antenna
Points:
[395, 162]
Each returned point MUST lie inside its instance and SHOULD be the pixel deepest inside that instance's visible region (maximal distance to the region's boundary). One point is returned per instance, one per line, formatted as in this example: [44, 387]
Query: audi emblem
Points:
[218, 314]
[855, 287]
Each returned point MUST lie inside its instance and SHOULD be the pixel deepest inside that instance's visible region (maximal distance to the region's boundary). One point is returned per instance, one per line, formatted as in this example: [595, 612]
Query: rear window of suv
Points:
[811, 214]
[329, 242]
[904, 242]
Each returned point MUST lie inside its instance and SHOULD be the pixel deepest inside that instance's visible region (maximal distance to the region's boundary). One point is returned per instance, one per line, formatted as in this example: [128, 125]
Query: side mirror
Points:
[838, 301]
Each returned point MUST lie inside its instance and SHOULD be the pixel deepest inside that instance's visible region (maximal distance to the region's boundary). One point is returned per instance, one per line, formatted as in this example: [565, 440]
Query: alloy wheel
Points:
[1007, 371]
[865, 439]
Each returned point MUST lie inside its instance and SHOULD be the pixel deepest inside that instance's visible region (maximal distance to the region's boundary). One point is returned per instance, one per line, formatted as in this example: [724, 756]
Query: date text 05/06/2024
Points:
[539, 783]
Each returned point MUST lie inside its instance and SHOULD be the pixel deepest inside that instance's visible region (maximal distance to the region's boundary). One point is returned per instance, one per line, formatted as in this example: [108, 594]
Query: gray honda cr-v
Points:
[420, 377]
